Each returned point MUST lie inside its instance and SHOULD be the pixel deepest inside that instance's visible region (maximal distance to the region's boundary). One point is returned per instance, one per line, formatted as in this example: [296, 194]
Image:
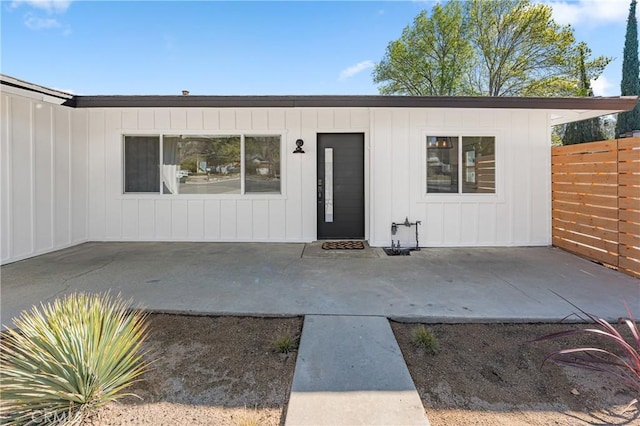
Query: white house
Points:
[475, 171]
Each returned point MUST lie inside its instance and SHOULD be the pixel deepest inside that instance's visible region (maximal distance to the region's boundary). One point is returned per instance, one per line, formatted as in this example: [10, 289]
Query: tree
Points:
[586, 130]
[520, 49]
[487, 47]
[630, 85]
[431, 56]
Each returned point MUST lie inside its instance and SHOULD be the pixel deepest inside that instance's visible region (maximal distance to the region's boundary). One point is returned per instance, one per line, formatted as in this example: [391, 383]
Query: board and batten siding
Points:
[517, 215]
[44, 176]
[286, 217]
[61, 176]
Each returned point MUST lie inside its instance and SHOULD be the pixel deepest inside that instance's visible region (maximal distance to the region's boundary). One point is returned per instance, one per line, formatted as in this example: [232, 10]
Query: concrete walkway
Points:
[350, 371]
[433, 285]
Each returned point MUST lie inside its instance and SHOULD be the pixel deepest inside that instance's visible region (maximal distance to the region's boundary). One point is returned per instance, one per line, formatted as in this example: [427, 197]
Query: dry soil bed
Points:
[211, 371]
[224, 371]
[489, 374]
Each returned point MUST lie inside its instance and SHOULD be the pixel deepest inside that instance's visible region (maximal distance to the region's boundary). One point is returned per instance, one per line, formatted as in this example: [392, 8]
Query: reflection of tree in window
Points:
[262, 164]
[442, 164]
[212, 163]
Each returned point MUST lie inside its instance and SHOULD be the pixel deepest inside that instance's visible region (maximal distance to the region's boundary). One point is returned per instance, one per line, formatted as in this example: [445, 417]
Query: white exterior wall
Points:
[43, 179]
[519, 214]
[286, 217]
[62, 177]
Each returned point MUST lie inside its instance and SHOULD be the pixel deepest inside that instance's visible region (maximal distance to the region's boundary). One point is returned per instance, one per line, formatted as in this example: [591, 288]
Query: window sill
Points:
[461, 198]
[147, 196]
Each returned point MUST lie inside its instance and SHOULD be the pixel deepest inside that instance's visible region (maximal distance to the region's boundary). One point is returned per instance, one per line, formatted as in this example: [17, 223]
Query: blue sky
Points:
[239, 48]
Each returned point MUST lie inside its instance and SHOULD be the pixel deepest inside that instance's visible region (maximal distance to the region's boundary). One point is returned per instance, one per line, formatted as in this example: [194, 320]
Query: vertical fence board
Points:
[629, 205]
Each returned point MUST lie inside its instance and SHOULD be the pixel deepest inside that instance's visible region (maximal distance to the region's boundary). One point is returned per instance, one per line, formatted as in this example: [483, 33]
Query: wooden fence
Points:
[596, 202]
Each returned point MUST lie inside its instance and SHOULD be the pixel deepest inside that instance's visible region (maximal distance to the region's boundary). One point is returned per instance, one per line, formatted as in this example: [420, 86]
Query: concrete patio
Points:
[433, 285]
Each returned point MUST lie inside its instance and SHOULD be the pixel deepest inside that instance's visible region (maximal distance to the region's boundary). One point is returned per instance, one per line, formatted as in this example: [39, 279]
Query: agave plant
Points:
[68, 358]
[622, 363]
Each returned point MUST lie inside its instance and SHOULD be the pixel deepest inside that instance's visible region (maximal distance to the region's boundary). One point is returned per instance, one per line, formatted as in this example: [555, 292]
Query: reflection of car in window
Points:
[183, 173]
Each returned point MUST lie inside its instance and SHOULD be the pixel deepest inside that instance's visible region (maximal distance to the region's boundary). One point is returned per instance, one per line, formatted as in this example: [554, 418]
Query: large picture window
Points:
[202, 164]
[461, 164]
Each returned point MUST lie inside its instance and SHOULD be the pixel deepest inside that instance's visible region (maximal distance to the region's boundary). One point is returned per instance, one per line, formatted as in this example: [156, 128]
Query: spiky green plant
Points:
[424, 339]
[249, 420]
[68, 358]
[284, 344]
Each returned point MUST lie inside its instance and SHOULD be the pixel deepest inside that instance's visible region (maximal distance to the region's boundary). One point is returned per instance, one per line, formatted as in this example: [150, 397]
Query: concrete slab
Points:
[433, 285]
[350, 371]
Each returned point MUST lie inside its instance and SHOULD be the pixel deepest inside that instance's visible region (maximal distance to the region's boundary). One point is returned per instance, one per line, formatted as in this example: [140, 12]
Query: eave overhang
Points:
[561, 110]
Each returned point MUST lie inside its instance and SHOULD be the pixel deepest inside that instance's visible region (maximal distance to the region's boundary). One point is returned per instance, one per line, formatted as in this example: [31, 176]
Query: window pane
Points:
[262, 164]
[442, 164]
[201, 165]
[141, 163]
[479, 165]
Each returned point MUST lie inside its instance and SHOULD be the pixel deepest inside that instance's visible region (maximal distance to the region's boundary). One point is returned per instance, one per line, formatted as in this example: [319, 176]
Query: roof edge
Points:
[354, 101]
[6, 80]
[611, 104]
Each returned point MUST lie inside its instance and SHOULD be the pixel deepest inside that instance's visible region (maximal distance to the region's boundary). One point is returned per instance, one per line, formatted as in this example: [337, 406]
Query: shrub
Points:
[622, 361]
[68, 358]
[424, 339]
[284, 344]
[249, 420]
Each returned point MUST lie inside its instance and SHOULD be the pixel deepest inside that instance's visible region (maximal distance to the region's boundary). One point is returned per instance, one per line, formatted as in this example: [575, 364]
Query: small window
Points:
[262, 164]
[201, 164]
[141, 164]
[475, 154]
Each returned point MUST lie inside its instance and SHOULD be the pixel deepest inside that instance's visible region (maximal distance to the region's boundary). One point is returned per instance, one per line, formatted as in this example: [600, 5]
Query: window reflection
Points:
[201, 164]
[442, 164]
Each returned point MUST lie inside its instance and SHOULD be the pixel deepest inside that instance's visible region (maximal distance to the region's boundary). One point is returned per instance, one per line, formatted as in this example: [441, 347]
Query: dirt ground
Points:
[488, 374]
[211, 371]
[224, 371]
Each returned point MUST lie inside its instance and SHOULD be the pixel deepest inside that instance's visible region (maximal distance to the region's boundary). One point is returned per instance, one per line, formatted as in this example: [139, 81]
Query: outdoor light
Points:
[299, 149]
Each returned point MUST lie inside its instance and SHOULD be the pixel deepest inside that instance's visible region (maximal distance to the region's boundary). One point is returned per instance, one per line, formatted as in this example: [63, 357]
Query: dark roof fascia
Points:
[191, 101]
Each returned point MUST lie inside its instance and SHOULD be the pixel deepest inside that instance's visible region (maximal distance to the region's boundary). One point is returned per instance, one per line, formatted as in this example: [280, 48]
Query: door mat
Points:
[343, 245]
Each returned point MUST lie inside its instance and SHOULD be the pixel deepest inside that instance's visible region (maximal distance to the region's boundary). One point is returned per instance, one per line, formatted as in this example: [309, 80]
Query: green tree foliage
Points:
[630, 85]
[430, 58]
[484, 47]
[585, 130]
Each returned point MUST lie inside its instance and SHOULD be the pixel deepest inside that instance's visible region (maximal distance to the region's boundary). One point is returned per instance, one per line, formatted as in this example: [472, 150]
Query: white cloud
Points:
[592, 13]
[602, 87]
[355, 69]
[51, 6]
[36, 23]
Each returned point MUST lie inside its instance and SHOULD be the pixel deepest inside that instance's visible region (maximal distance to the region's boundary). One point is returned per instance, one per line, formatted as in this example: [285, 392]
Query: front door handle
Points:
[320, 191]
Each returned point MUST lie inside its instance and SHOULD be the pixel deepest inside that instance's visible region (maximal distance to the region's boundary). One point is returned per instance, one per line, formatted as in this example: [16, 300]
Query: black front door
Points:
[340, 186]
